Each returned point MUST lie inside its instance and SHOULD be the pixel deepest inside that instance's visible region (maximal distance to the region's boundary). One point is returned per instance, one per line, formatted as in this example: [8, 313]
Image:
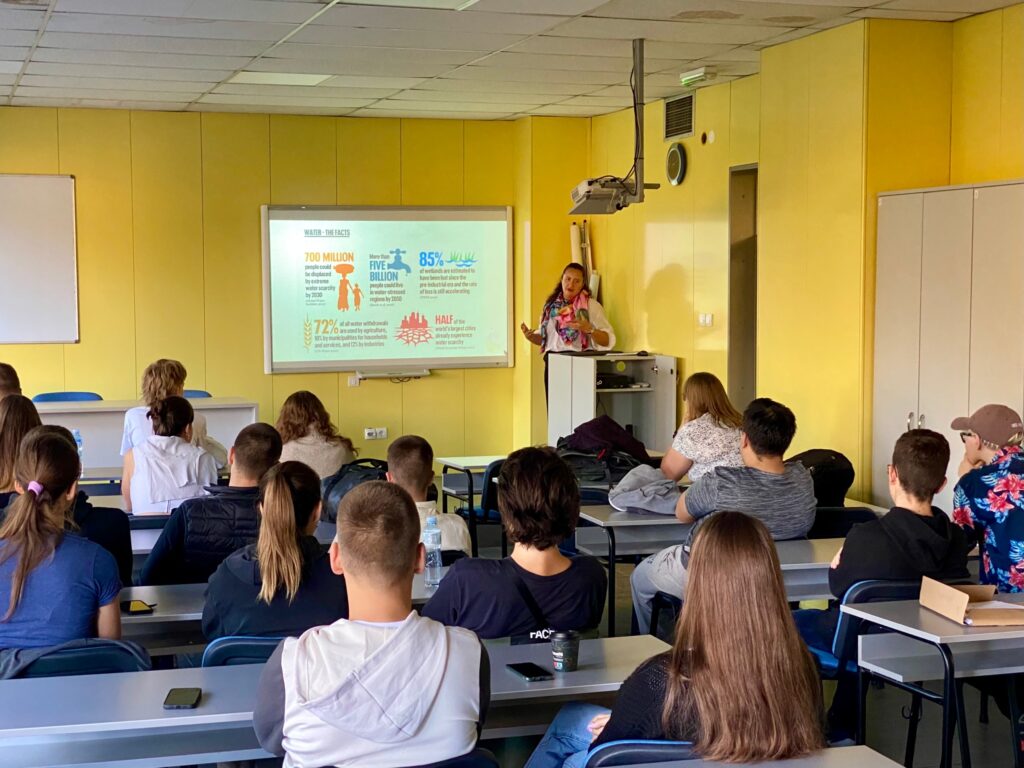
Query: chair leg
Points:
[914, 717]
[1016, 726]
[961, 726]
[983, 713]
[655, 615]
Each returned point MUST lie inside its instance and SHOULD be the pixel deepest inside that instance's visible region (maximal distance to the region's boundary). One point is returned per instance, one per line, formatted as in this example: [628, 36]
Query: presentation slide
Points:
[386, 288]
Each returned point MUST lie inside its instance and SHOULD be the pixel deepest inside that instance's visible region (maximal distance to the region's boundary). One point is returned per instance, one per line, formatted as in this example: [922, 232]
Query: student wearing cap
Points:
[989, 499]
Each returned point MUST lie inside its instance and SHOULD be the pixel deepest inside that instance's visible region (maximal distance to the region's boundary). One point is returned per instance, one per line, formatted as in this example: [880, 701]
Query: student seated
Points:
[165, 469]
[709, 436]
[310, 437]
[912, 540]
[738, 682]
[203, 531]
[537, 589]
[54, 586]
[105, 526]
[780, 495]
[411, 466]
[9, 382]
[282, 584]
[384, 687]
[987, 501]
[18, 415]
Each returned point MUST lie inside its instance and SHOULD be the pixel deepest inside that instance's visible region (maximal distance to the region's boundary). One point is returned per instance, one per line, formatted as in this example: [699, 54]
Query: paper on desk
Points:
[971, 604]
[990, 605]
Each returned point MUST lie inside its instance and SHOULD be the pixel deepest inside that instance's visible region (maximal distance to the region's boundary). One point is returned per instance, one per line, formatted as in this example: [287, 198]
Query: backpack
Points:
[604, 434]
[334, 488]
[831, 472]
[606, 467]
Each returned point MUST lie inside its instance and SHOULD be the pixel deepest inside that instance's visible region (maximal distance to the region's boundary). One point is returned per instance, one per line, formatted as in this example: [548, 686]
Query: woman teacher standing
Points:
[572, 320]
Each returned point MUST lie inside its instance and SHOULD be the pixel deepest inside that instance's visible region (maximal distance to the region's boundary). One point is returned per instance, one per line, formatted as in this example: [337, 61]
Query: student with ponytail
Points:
[54, 585]
[282, 584]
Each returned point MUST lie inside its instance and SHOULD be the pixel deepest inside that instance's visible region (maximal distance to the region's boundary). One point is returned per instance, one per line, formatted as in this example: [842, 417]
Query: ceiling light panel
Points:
[669, 31]
[361, 81]
[277, 78]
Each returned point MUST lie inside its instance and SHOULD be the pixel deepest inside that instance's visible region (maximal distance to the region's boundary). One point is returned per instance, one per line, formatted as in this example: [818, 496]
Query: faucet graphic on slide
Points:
[397, 262]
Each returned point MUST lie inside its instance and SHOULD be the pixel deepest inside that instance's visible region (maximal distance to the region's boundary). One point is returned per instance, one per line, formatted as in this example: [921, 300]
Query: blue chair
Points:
[98, 657]
[65, 397]
[487, 513]
[229, 651]
[478, 758]
[671, 605]
[196, 393]
[620, 753]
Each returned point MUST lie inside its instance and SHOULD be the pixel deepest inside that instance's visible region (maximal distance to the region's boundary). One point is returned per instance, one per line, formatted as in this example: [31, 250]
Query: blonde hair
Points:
[162, 379]
[738, 666]
[704, 393]
[289, 494]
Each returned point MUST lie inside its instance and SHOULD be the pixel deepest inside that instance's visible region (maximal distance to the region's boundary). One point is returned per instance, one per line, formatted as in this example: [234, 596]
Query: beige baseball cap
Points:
[995, 424]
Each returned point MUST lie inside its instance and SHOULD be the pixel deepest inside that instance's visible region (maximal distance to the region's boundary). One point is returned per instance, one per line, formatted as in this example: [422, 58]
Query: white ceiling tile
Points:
[154, 26]
[13, 53]
[583, 46]
[360, 81]
[497, 86]
[269, 109]
[670, 31]
[793, 34]
[46, 101]
[474, 97]
[139, 59]
[112, 84]
[832, 23]
[144, 43]
[889, 13]
[413, 106]
[369, 66]
[226, 10]
[17, 37]
[546, 7]
[10, 67]
[105, 93]
[344, 56]
[558, 110]
[949, 6]
[539, 75]
[597, 101]
[440, 21]
[318, 90]
[155, 74]
[7, 79]
[447, 5]
[405, 38]
[276, 78]
[722, 11]
[844, 3]
[20, 19]
[651, 92]
[283, 101]
[750, 55]
[439, 115]
[510, 60]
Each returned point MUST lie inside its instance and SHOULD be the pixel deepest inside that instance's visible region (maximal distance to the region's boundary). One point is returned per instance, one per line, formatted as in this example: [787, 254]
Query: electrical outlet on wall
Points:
[382, 433]
[369, 433]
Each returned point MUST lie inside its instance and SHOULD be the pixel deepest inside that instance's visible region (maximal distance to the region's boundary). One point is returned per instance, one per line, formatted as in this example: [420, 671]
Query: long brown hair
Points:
[35, 519]
[704, 393]
[738, 667]
[162, 379]
[303, 411]
[17, 416]
[289, 493]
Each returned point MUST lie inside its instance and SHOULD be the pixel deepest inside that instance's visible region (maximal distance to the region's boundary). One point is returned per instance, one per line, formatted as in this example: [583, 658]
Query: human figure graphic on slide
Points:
[343, 285]
[357, 296]
[397, 263]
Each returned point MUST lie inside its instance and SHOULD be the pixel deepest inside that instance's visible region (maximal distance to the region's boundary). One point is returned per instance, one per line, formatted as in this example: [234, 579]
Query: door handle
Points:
[920, 420]
[910, 420]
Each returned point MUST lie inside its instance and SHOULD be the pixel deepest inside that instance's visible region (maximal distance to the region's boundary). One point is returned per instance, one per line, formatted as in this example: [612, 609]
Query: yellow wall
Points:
[988, 97]
[169, 248]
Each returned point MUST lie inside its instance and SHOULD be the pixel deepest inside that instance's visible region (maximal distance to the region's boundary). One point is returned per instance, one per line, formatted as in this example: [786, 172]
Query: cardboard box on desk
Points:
[971, 604]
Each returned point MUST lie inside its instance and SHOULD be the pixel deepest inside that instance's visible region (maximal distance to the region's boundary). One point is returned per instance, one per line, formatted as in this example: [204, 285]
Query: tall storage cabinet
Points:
[950, 284]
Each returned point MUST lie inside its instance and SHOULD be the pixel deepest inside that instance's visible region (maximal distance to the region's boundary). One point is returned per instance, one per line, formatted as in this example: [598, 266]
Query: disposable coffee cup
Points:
[565, 651]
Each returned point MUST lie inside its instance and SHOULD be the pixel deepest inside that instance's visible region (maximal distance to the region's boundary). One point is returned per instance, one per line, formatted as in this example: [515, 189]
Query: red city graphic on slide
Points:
[414, 329]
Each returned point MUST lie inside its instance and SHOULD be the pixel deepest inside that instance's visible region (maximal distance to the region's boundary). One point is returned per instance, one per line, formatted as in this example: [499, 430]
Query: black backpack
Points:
[606, 467]
[831, 472]
[334, 488]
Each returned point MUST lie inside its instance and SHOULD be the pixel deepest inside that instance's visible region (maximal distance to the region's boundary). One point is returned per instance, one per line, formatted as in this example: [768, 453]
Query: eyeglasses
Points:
[965, 435]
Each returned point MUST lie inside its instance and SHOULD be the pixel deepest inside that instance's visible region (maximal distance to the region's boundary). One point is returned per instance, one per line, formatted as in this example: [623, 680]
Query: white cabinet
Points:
[579, 390]
[950, 274]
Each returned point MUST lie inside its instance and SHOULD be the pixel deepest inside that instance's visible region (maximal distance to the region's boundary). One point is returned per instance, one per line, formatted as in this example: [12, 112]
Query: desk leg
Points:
[949, 709]
[1016, 726]
[444, 496]
[863, 678]
[472, 515]
[611, 580]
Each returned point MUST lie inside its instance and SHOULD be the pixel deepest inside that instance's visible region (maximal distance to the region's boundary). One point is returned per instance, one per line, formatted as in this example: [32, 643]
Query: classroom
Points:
[478, 383]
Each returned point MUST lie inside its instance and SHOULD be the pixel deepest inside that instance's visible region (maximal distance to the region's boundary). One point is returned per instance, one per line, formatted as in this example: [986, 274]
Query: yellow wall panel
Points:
[526, 356]
[369, 161]
[432, 162]
[1012, 105]
[236, 182]
[744, 122]
[977, 98]
[95, 147]
[432, 407]
[167, 217]
[490, 162]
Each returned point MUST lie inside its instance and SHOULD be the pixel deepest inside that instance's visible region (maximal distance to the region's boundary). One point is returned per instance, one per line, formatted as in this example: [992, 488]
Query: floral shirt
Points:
[708, 445]
[989, 501]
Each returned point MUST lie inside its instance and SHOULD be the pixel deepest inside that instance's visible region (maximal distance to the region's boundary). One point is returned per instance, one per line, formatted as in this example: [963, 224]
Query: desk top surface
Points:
[910, 618]
[839, 757]
[468, 462]
[606, 516]
[102, 406]
[129, 701]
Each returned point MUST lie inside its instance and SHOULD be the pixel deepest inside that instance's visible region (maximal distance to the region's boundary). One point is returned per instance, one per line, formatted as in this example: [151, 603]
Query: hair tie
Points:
[36, 488]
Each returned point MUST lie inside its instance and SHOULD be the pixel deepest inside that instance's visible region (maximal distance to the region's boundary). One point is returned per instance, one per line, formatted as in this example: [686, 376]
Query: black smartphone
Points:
[183, 698]
[530, 672]
[136, 607]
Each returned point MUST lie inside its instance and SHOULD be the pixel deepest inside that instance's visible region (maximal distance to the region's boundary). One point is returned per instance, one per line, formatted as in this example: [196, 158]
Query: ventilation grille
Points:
[679, 116]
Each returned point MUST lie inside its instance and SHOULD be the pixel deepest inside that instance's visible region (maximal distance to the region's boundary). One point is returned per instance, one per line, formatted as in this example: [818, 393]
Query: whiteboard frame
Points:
[396, 365]
[77, 336]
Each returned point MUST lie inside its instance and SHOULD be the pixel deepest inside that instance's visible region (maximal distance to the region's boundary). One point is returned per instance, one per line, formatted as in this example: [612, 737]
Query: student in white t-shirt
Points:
[709, 436]
[411, 467]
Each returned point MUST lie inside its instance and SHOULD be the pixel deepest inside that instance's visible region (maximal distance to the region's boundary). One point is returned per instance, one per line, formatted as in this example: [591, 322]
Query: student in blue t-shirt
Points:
[537, 589]
[54, 586]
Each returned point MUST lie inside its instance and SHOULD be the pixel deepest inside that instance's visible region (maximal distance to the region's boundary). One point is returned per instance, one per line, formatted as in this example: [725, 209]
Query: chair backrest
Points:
[489, 492]
[100, 657]
[196, 393]
[844, 644]
[478, 758]
[65, 397]
[616, 753]
[836, 522]
[228, 651]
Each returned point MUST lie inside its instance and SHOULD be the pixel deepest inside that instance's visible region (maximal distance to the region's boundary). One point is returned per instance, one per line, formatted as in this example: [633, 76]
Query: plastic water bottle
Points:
[432, 542]
[80, 444]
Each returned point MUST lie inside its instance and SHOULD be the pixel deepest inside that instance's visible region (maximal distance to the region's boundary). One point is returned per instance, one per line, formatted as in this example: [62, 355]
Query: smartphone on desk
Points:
[136, 607]
[530, 672]
[183, 698]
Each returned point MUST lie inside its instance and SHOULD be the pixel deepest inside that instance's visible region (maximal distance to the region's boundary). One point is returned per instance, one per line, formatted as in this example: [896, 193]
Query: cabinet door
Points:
[897, 329]
[997, 298]
[945, 320]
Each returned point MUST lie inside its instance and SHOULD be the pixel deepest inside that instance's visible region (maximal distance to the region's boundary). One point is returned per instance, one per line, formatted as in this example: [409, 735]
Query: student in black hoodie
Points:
[283, 584]
[203, 531]
[912, 540]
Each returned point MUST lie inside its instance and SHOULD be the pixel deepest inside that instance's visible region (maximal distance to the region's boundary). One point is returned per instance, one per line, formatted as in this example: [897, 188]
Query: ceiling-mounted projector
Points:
[599, 196]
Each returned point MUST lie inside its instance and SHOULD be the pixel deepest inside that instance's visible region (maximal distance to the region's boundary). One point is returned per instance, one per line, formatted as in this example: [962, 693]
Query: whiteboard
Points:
[38, 268]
